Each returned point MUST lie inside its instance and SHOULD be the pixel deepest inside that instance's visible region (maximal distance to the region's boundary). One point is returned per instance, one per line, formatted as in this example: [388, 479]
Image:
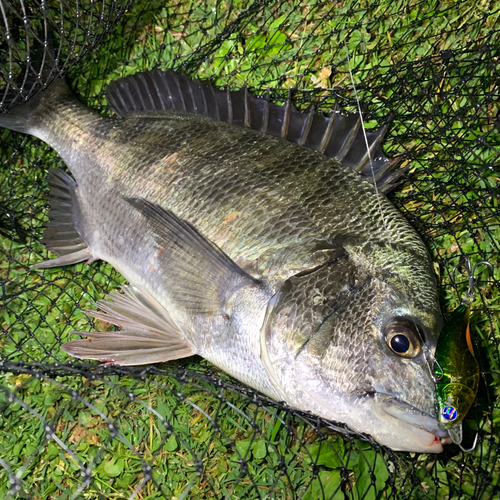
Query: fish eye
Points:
[402, 337]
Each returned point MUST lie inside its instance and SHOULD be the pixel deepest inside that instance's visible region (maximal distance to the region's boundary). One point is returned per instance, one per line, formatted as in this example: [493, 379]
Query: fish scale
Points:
[281, 265]
[294, 174]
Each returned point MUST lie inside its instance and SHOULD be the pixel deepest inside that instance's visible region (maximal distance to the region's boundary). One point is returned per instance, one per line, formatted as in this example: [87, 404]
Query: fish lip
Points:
[406, 427]
[411, 415]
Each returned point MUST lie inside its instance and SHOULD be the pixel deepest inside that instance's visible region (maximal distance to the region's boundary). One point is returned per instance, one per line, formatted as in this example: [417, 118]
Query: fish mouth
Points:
[423, 433]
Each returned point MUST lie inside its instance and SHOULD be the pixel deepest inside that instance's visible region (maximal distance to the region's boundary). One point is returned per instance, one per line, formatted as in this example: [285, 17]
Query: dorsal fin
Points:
[337, 136]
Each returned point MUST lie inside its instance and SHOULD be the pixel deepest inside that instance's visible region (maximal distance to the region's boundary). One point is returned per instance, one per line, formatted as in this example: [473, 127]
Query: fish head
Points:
[355, 349]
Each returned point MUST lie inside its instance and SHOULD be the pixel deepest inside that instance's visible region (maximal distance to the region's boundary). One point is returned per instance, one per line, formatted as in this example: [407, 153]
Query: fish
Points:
[254, 235]
[457, 372]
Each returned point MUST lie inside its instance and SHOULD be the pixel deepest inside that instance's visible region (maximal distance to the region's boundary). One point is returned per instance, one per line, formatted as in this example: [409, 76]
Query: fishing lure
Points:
[457, 373]
[456, 369]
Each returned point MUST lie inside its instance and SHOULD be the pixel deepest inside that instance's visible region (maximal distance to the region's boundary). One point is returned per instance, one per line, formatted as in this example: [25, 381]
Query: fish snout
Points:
[413, 430]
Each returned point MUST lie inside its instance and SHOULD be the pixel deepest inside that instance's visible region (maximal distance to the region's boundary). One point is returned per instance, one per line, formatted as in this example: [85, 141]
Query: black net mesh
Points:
[185, 430]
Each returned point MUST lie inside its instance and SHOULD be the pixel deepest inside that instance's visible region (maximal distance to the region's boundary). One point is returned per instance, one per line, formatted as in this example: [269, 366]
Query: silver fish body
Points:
[276, 263]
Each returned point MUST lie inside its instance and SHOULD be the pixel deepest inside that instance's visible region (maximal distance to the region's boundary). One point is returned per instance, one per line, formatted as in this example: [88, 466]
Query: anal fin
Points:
[61, 235]
[149, 334]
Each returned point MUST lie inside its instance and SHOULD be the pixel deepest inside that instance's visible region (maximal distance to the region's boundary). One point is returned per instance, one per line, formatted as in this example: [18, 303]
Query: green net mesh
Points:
[184, 429]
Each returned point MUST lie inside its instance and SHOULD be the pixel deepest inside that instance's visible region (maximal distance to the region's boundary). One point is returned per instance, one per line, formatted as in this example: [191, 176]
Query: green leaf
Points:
[125, 480]
[259, 449]
[84, 418]
[52, 450]
[326, 485]
[163, 408]
[171, 444]
[381, 473]
[112, 468]
[326, 453]
[370, 461]
[277, 22]
[243, 446]
[256, 43]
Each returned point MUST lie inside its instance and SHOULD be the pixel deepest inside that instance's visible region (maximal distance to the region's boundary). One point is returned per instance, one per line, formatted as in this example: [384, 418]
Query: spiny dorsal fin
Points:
[202, 279]
[337, 136]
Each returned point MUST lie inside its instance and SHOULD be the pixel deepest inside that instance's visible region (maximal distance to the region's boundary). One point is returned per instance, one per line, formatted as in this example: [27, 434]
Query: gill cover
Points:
[292, 331]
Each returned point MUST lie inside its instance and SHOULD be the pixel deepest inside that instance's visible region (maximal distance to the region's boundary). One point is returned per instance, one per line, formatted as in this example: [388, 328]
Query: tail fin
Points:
[23, 117]
[20, 117]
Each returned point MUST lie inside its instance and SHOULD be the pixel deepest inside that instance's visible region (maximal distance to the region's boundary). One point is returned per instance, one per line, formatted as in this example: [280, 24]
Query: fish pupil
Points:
[400, 344]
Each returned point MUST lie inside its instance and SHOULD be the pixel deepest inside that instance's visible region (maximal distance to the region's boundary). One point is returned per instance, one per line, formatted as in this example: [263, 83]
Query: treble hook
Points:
[473, 445]
[468, 298]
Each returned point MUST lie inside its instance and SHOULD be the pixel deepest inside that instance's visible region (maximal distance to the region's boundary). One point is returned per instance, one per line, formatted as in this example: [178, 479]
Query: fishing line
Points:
[358, 102]
[377, 192]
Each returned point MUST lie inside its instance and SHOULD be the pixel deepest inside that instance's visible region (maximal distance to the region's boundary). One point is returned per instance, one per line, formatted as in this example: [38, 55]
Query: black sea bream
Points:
[251, 236]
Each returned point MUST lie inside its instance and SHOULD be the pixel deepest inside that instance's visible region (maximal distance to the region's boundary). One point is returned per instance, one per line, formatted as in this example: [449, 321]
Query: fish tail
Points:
[23, 117]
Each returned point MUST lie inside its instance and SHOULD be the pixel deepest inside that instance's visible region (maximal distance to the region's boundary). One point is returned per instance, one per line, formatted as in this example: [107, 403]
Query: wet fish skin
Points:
[322, 263]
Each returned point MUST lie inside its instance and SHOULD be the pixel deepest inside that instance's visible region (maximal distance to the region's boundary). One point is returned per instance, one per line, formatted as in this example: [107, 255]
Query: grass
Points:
[75, 432]
[151, 427]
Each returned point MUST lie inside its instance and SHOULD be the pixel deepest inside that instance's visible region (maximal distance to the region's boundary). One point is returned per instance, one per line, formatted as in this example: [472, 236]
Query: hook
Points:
[431, 362]
[471, 270]
[465, 450]
[437, 378]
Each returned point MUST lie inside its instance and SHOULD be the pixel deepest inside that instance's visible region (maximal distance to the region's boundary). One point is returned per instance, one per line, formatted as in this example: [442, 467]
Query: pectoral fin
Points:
[201, 278]
[149, 336]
